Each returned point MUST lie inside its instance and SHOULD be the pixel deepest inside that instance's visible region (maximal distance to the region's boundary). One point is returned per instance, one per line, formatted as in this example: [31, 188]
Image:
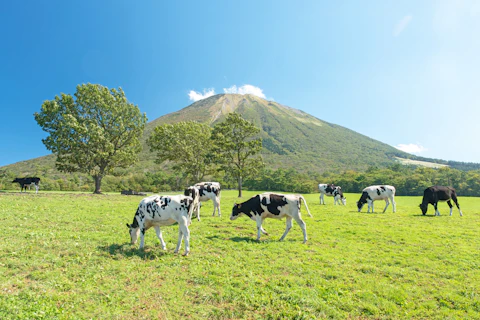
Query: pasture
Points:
[68, 256]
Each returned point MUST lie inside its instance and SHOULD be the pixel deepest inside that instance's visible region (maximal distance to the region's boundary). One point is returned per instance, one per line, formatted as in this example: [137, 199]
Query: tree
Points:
[235, 148]
[94, 132]
[186, 144]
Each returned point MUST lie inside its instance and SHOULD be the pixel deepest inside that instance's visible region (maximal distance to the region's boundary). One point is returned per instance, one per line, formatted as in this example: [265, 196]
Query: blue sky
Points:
[402, 72]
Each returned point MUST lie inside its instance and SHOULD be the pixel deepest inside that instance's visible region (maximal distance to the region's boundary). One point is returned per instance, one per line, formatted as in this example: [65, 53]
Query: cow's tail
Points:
[305, 202]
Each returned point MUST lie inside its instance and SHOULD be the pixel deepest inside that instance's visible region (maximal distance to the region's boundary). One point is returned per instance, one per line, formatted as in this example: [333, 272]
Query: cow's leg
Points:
[183, 232]
[302, 225]
[36, 188]
[386, 205]
[217, 205]
[370, 204]
[322, 198]
[142, 235]
[263, 231]
[288, 227]
[435, 205]
[335, 199]
[454, 198]
[160, 237]
[259, 221]
[450, 206]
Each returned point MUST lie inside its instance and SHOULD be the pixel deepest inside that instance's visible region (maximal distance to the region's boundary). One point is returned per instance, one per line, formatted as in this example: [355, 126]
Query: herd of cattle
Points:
[156, 211]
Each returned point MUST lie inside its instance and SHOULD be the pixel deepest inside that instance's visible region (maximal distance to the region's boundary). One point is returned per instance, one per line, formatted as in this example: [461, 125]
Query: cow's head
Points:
[424, 208]
[134, 232]
[344, 201]
[16, 180]
[360, 206]
[236, 211]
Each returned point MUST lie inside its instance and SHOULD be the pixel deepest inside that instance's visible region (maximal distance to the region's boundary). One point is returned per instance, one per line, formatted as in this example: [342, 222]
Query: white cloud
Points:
[411, 148]
[195, 96]
[245, 89]
[402, 24]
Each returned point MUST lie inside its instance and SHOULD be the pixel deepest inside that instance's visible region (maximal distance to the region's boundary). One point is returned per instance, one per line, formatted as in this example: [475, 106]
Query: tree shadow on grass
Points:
[116, 251]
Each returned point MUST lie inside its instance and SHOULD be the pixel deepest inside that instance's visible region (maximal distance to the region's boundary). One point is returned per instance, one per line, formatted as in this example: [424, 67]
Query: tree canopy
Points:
[236, 148]
[93, 132]
[186, 144]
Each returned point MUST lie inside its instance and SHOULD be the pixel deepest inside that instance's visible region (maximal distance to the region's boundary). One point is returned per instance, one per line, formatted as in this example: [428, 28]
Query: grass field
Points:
[67, 256]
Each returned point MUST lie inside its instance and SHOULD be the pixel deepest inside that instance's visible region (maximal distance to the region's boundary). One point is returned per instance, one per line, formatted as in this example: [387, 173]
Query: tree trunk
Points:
[239, 187]
[98, 183]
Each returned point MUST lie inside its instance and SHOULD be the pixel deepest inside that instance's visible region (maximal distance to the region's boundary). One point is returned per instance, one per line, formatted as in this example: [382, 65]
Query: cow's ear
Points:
[128, 225]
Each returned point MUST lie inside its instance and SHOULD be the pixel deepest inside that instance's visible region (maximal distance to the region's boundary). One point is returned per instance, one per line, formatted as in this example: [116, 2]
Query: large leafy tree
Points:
[186, 144]
[93, 132]
[236, 148]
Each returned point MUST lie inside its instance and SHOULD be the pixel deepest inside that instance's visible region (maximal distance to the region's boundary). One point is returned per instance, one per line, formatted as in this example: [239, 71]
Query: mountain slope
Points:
[291, 138]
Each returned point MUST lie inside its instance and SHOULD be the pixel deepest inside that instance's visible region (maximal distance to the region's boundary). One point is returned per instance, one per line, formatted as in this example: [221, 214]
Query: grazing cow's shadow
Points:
[244, 239]
[425, 215]
[128, 250]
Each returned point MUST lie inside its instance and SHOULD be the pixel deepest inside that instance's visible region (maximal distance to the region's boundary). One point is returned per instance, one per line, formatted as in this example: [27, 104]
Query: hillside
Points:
[291, 139]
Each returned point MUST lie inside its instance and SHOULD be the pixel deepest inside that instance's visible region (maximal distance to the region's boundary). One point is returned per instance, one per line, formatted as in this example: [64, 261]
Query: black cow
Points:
[24, 182]
[439, 193]
[271, 205]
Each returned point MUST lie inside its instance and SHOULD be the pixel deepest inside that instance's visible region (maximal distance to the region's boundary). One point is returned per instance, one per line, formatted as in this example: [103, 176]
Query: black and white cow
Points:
[209, 191]
[194, 193]
[156, 211]
[435, 194]
[372, 193]
[331, 190]
[273, 205]
[24, 182]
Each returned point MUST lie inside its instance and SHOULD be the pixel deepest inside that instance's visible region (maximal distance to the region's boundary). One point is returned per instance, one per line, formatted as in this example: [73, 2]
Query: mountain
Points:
[291, 139]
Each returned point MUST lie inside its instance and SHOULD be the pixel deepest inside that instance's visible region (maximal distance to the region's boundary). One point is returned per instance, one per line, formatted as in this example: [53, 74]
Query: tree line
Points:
[408, 180]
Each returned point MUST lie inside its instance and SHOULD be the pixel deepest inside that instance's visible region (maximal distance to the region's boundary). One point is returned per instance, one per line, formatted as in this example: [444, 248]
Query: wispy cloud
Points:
[195, 96]
[245, 89]
[411, 148]
[402, 24]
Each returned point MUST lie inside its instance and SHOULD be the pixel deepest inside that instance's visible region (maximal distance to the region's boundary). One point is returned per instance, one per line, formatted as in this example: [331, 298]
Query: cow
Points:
[372, 193]
[24, 182]
[209, 191]
[194, 193]
[156, 211]
[331, 190]
[435, 194]
[272, 205]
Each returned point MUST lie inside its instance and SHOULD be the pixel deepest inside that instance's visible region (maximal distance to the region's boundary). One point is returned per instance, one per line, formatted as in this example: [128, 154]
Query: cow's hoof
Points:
[185, 254]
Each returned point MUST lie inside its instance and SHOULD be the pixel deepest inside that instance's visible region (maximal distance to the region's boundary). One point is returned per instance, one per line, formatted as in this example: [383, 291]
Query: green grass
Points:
[68, 256]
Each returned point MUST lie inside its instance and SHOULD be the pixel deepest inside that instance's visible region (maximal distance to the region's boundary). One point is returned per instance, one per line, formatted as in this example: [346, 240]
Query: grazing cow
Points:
[370, 194]
[209, 191]
[435, 194]
[331, 190]
[156, 211]
[24, 182]
[272, 205]
[194, 193]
